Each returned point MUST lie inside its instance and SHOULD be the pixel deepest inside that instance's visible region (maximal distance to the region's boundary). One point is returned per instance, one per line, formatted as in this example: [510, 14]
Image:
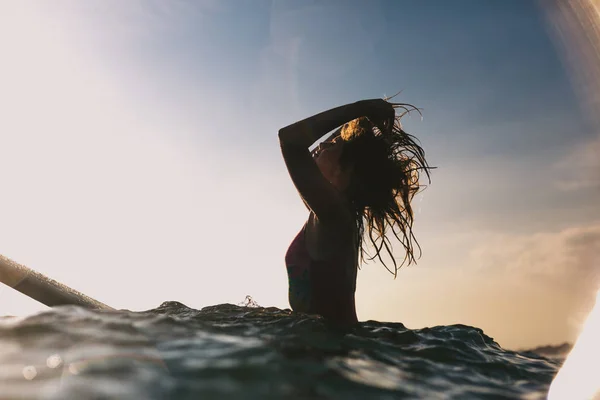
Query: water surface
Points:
[241, 352]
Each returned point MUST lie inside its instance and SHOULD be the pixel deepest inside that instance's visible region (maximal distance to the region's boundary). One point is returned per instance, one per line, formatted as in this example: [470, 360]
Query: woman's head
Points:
[327, 157]
[383, 176]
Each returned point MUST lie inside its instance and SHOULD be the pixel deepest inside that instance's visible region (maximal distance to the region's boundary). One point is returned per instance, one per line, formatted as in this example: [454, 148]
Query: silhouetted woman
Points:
[357, 185]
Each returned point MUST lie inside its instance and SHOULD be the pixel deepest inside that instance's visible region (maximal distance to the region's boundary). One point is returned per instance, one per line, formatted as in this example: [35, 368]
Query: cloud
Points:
[565, 258]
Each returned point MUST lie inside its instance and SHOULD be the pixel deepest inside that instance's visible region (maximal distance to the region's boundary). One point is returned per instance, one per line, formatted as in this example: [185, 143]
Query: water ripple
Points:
[175, 351]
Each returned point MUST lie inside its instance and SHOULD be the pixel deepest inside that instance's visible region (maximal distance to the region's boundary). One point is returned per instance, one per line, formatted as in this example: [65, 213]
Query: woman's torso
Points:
[322, 265]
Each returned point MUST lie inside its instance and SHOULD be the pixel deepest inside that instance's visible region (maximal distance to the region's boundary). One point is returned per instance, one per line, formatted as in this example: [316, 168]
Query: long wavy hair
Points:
[386, 164]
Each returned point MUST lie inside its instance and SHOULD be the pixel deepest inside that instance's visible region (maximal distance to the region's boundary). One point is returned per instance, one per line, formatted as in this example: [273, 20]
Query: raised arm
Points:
[306, 132]
[318, 194]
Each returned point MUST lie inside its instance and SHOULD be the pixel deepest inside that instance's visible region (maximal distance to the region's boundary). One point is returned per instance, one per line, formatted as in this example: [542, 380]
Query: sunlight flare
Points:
[579, 377]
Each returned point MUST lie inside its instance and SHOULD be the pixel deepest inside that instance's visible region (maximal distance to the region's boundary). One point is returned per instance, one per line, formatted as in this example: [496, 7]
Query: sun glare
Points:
[579, 377]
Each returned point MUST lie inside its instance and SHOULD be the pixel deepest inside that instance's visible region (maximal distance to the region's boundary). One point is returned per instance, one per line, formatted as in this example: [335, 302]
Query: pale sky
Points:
[140, 160]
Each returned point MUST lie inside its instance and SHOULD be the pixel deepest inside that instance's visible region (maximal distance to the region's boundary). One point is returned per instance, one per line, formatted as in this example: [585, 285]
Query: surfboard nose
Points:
[43, 289]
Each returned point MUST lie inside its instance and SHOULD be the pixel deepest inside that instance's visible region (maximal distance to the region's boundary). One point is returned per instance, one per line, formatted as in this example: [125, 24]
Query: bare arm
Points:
[318, 194]
[304, 133]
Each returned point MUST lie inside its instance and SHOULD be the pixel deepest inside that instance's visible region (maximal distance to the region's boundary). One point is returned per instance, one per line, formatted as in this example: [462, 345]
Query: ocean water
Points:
[249, 352]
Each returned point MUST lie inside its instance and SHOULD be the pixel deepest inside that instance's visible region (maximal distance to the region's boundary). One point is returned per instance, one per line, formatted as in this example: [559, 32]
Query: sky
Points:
[140, 160]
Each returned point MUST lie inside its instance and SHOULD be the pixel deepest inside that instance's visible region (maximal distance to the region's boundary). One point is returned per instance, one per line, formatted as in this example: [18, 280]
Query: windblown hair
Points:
[385, 162]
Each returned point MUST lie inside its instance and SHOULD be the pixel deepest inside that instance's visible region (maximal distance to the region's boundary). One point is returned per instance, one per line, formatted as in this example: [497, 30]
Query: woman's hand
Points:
[379, 112]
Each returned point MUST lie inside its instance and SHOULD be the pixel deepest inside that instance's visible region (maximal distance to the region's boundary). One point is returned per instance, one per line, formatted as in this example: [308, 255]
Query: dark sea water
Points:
[241, 352]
